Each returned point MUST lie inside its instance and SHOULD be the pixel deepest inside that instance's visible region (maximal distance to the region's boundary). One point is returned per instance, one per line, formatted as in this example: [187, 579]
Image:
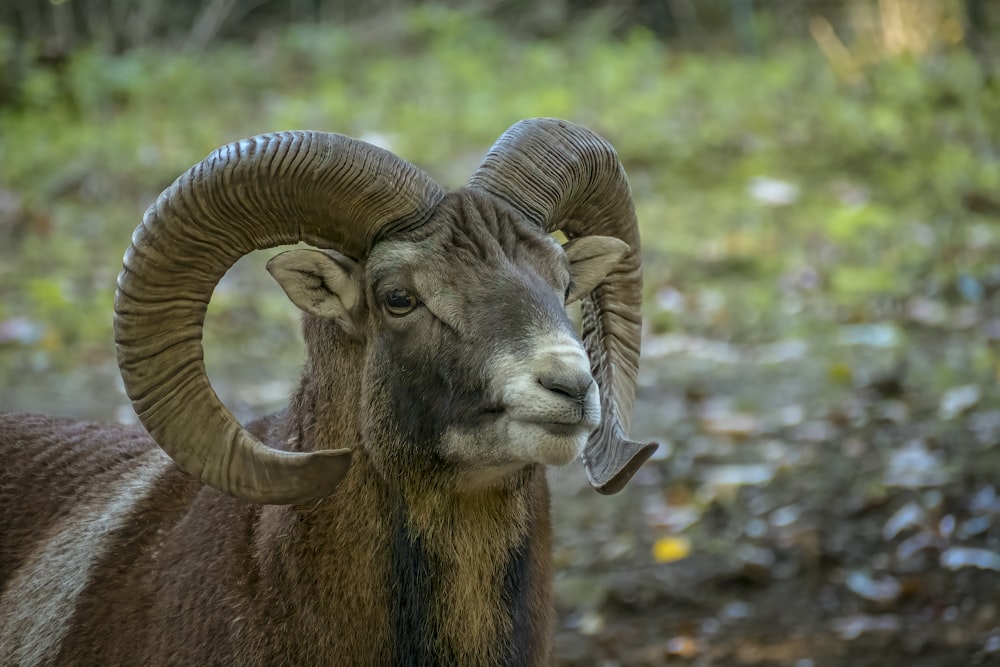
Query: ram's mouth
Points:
[561, 429]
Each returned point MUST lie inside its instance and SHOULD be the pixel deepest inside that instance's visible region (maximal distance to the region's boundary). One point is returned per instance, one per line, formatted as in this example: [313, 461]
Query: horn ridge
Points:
[282, 188]
[565, 177]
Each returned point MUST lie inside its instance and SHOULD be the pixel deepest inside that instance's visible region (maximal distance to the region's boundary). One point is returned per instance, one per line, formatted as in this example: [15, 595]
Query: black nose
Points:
[575, 385]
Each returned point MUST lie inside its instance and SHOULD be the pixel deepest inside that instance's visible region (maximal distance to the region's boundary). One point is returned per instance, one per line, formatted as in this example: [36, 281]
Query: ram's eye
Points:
[399, 302]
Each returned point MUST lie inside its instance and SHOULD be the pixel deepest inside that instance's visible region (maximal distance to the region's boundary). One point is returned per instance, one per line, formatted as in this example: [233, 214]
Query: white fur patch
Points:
[39, 602]
[538, 424]
[518, 381]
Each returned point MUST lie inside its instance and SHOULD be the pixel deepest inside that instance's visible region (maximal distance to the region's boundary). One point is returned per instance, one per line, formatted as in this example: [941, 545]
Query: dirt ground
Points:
[782, 527]
[824, 502]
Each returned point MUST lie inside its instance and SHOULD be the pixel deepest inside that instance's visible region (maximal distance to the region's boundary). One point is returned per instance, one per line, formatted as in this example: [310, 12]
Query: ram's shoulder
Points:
[61, 475]
[37, 440]
[49, 464]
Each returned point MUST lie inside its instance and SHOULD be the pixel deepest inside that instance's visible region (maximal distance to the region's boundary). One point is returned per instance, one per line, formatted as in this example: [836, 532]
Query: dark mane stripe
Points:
[413, 587]
[516, 596]
[418, 583]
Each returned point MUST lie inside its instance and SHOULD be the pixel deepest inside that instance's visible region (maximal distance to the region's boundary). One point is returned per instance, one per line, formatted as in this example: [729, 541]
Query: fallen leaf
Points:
[914, 466]
[852, 627]
[958, 400]
[670, 549]
[732, 424]
[884, 589]
[684, 647]
[909, 515]
[956, 558]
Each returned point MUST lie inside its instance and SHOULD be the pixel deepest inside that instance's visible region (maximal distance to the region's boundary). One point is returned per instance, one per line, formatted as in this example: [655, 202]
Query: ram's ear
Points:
[322, 284]
[591, 258]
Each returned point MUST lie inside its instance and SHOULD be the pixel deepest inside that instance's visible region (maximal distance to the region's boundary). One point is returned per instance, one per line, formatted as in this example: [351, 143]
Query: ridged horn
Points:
[323, 189]
[563, 176]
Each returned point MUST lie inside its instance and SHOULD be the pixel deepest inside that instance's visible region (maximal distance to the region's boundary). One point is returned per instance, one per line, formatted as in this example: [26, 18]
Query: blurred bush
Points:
[50, 28]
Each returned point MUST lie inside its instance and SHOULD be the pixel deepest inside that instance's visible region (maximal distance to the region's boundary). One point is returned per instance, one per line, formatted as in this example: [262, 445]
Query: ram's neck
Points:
[432, 578]
[323, 413]
[474, 573]
[409, 571]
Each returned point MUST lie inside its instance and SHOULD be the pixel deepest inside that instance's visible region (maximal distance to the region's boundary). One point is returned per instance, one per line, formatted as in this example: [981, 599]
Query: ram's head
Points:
[458, 299]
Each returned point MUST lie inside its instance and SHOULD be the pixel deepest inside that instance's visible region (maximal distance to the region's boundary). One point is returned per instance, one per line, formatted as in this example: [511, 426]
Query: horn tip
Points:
[609, 482]
[318, 474]
[329, 468]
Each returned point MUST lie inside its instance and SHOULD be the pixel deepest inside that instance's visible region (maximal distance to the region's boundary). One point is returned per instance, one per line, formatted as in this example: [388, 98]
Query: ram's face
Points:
[472, 346]
[471, 358]
[446, 325]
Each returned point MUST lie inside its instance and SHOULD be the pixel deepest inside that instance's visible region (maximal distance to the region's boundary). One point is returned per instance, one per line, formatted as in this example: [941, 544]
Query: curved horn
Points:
[563, 176]
[323, 189]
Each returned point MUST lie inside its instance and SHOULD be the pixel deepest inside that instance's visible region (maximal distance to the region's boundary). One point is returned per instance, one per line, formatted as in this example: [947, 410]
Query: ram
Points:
[396, 512]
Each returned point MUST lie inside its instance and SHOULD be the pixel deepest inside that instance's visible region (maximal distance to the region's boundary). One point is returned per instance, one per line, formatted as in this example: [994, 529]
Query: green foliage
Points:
[883, 167]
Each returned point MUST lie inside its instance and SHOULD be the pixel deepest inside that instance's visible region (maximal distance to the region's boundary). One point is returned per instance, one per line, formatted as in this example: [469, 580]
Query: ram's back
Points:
[80, 504]
[55, 474]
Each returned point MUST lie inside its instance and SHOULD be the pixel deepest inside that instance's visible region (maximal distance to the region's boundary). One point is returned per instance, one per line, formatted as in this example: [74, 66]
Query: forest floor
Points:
[791, 530]
[822, 305]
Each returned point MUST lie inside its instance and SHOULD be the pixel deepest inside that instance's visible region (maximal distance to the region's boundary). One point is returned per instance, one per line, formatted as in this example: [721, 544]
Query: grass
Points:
[894, 176]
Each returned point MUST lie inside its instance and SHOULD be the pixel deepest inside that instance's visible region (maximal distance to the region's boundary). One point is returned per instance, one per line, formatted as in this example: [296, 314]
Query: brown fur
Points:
[400, 565]
[200, 578]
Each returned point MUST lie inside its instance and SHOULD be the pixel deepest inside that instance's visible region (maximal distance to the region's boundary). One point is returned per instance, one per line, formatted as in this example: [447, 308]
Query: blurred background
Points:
[818, 185]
